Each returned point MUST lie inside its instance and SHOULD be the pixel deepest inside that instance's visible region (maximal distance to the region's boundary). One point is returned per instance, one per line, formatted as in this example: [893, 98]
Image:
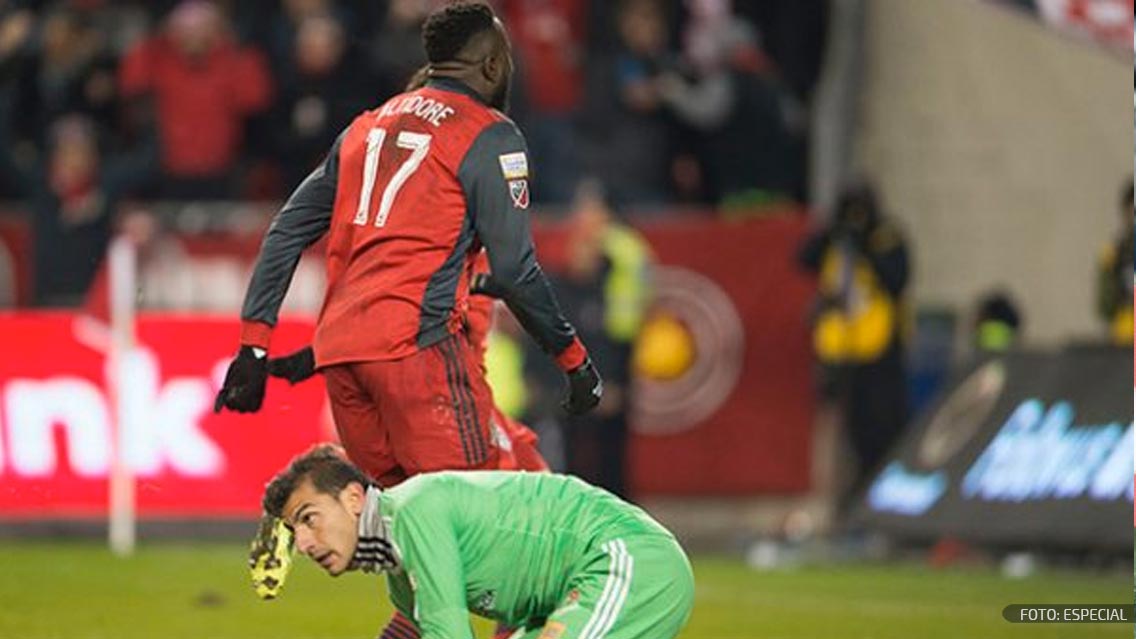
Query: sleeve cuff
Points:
[573, 356]
[256, 334]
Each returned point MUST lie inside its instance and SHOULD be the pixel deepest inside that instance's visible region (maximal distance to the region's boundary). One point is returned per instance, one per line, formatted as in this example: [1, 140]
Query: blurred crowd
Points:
[698, 101]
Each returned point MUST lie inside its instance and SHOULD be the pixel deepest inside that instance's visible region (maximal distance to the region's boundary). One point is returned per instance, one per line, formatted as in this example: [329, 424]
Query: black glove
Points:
[585, 388]
[243, 390]
[295, 367]
[484, 284]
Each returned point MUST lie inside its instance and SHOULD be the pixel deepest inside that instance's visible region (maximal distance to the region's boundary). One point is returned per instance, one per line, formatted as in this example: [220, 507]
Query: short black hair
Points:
[859, 195]
[999, 306]
[448, 30]
[324, 464]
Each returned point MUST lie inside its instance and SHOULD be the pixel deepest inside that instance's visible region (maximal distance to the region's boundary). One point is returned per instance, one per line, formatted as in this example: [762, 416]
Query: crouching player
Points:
[547, 554]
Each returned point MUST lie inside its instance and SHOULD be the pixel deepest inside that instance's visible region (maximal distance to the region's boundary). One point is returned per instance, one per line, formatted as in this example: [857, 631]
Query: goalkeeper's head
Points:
[320, 496]
[465, 41]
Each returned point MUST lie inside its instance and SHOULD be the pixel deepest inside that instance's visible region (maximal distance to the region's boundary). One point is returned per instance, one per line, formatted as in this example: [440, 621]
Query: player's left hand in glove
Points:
[585, 389]
[295, 367]
[243, 390]
[270, 556]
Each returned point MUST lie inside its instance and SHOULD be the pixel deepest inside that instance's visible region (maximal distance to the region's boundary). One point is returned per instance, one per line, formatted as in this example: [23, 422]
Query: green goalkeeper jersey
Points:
[500, 544]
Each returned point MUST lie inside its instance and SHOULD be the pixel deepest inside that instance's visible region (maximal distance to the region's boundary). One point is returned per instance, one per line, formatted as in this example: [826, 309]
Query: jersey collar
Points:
[375, 550]
[455, 86]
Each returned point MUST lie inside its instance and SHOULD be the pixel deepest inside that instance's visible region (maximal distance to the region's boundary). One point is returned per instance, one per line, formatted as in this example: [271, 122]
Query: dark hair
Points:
[999, 306]
[324, 464]
[448, 30]
[1126, 193]
[858, 196]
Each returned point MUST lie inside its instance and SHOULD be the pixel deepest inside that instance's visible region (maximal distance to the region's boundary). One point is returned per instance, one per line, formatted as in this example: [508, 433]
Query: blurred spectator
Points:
[72, 194]
[16, 25]
[120, 25]
[604, 289]
[793, 34]
[862, 263]
[549, 42]
[69, 72]
[16, 28]
[275, 22]
[1115, 275]
[397, 50]
[284, 24]
[745, 128]
[997, 323]
[204, 86]
[320, 92]
[627, 130]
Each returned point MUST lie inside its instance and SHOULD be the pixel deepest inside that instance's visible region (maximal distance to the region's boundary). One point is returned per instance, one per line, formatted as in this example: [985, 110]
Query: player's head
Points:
[467, 42]
[320, 496]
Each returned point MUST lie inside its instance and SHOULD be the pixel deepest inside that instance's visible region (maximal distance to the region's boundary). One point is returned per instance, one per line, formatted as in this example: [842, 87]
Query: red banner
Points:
[734, 416]
[758, 439]
[56, 419]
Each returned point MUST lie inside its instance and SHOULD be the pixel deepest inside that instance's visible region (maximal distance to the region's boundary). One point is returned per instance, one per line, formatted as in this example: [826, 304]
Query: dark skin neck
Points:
[483, 65]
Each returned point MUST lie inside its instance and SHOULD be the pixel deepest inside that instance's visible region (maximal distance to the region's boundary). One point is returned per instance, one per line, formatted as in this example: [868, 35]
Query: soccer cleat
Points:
[270, 556]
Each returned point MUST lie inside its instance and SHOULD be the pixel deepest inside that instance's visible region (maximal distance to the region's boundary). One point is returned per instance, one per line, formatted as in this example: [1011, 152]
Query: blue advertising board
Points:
[1026, 449]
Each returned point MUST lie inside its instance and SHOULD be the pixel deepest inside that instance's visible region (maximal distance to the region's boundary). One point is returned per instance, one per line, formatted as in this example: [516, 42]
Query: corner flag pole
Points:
[123, 284]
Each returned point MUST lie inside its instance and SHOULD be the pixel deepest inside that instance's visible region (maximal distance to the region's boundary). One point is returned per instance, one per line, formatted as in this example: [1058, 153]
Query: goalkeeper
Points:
[547, 554]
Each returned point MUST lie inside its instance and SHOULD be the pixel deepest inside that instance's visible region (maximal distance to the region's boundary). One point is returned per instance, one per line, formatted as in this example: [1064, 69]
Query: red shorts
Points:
[426, 412]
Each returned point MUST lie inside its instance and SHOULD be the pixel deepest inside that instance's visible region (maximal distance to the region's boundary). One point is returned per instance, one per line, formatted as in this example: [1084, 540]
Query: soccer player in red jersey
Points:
[520, 453]
[407, 196]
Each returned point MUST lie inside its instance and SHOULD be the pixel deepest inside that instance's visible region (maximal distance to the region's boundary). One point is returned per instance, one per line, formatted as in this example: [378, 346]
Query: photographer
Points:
[862, 265]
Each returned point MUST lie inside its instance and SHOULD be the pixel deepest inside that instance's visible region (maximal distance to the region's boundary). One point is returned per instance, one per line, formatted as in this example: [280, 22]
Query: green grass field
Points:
[65, 591]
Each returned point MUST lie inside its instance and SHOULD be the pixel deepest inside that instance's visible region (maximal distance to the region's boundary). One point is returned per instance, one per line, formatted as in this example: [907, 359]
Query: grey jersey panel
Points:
[303, 220]
[503, 229]
[441, 290]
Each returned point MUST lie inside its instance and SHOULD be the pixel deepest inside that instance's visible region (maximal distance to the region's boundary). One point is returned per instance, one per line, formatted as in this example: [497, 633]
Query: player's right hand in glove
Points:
[295, 367]
[585, 388]
[243, 390]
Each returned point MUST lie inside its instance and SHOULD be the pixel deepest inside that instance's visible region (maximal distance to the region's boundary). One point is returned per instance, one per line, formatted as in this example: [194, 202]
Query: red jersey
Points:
[408, 195]
[397, 227]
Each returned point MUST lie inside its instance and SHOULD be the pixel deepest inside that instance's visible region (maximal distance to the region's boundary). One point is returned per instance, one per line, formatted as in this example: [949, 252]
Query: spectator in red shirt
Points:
[203, 85]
